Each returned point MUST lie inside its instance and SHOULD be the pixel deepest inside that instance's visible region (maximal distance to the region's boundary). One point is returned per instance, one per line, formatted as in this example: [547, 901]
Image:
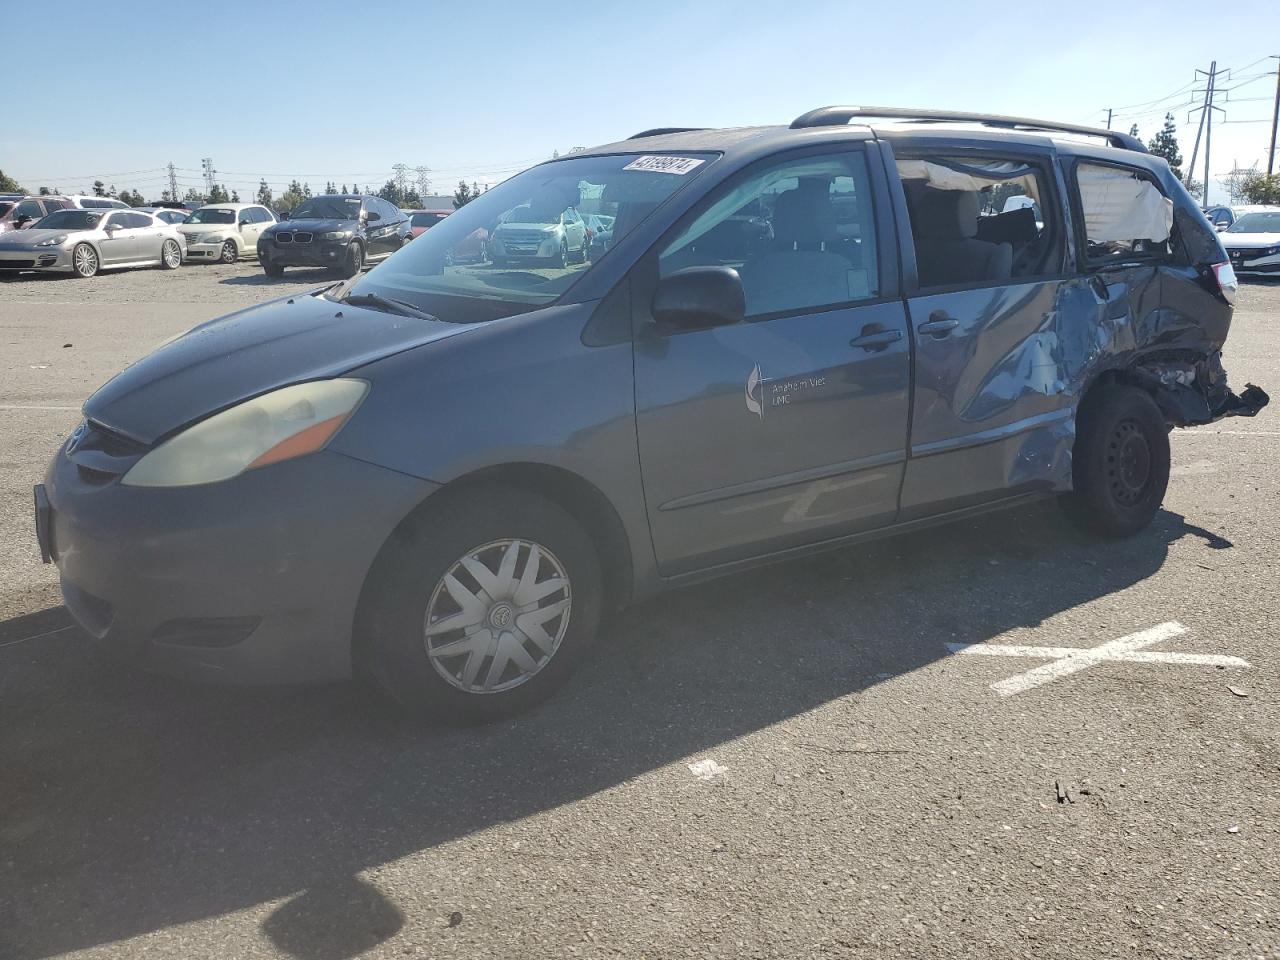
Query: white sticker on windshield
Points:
[655, 164]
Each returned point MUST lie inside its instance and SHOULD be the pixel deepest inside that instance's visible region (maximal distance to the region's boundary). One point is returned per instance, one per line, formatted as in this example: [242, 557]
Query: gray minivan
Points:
[442, 474]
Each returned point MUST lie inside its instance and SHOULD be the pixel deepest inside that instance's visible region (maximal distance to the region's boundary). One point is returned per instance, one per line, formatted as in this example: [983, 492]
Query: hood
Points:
[313, 225]
[1230, 240]
[527, 227]
[234, 358]
[29, 238]
[188, 229]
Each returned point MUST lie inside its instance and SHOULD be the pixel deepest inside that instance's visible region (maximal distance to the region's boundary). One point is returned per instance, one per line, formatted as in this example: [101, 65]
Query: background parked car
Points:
[1253, 242]
[169, 215]
[1223, 216]
[533, 234]
[20, 212]
[82, 242]
[225, 231]
[600, 231]
[81, 202]
[342, 232]
[420, 221]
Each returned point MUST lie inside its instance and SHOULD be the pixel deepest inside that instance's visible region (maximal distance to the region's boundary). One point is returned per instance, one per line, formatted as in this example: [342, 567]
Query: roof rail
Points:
[659, 131]
[838, 116]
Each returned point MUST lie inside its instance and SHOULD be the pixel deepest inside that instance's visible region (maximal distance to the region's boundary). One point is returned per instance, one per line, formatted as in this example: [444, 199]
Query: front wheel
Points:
[170, 255]
[1120, 463]
[228, 253]
[482, 609]
[84, 260]
[353, 261]
[562, 260]
[271, 269]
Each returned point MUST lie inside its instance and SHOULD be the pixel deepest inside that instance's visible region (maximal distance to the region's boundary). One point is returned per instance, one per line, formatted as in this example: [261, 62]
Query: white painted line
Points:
[1227, 433]
[34, 406]
[38, 636]
[707, 769]
[1069, 660]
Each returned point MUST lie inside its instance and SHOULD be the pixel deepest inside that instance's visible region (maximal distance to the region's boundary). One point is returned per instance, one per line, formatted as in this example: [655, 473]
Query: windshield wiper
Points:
[387, 304]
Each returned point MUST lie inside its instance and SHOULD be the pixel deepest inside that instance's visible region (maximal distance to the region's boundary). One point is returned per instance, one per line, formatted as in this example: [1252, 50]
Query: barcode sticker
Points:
[655, 164]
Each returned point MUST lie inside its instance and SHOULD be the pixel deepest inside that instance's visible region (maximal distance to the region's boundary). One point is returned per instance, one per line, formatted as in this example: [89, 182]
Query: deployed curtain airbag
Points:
[1120, 207]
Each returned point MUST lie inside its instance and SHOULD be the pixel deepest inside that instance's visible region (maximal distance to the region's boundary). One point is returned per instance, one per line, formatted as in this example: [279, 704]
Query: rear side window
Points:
[981, 220]
[135, 219]
[1125, 214]
[800, 232]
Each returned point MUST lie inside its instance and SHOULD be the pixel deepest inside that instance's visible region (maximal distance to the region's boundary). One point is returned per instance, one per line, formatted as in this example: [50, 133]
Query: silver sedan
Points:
[82, 242]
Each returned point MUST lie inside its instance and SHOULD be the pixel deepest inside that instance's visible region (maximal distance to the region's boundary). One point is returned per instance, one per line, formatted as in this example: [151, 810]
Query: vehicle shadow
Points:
[133, 803]
[317, 276]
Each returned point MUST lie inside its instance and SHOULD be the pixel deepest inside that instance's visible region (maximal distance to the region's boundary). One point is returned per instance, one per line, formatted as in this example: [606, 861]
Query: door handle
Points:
[938, 325]
[875, 338]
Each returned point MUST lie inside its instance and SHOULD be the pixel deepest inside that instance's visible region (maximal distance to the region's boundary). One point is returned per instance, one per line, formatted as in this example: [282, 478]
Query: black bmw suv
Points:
[342, 232]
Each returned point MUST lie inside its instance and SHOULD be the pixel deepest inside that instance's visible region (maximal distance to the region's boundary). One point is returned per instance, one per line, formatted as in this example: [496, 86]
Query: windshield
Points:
[327, 208]
[211, 215]
[426, 219]
[1257, 223]
[465, 269]
[71, 220]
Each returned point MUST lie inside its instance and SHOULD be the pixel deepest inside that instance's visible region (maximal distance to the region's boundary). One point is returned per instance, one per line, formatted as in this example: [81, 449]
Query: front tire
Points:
[170, 255]
[228, 253]
[353, 260]
[84, 260]
[271, 269]
[1120, 463]
[483, 609]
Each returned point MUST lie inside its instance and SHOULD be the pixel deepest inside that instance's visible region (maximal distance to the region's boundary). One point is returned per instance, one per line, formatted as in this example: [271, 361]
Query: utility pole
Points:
[1208, 127]
[173, 182]
[1275, 119]
[1109, 118]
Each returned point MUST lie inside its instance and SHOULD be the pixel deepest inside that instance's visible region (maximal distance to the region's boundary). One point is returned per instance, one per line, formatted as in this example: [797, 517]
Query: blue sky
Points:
[328, 91]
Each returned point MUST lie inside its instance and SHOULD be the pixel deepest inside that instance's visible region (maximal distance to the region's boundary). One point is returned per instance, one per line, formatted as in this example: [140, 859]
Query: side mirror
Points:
[698, 297]
[244, 223]
[1221, 227]
[283, 214]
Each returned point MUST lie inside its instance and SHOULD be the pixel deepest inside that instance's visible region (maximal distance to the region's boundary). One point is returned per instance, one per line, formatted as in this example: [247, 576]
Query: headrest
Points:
[944, 214]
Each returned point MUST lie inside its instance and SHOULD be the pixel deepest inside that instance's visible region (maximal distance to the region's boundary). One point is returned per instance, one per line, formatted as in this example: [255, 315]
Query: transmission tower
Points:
[173, 182]
[401, 177]
[424, 184]
[206, 164]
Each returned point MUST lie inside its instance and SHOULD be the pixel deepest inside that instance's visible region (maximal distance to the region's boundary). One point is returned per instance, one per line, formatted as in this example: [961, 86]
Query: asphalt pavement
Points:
[1000, 738]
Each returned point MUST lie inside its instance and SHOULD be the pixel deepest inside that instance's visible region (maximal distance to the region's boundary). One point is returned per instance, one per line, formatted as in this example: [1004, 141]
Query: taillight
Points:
[1227, 282]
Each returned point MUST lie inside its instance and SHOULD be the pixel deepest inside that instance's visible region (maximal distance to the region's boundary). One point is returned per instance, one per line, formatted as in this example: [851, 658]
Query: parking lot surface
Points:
[995, 739]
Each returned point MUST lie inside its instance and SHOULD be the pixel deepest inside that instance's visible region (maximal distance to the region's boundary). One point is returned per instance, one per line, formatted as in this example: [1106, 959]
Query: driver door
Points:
[118, 245]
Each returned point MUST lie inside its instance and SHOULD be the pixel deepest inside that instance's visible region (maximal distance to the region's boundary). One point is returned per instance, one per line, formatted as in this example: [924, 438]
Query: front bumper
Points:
[252, 580]
[54, 259]
[1256, 266]
[317, 253]
[205, 251]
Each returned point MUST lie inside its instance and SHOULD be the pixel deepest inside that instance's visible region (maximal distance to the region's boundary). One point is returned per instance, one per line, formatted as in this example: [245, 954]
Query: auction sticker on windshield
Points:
[655, 164]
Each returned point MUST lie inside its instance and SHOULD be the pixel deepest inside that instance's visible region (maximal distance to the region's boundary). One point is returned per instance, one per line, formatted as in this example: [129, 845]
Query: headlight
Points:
[280, 425]
[333, 235]
[53, 241]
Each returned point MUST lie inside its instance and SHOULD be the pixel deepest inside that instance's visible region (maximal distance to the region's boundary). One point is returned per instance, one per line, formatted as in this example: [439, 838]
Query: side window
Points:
[390, 213]
[1125, 214]
[262, 214]
[801, 234]
[981, 220]
[135, 219]
[112, 221]
[29, 209]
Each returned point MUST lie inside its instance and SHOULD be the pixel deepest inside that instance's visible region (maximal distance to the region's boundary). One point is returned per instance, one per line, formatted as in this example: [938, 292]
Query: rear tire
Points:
[1120, 463]
[423, 578]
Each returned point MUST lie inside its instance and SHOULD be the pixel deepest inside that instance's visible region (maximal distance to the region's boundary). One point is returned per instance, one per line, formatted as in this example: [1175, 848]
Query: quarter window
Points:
[800, 233]
[1125, 214]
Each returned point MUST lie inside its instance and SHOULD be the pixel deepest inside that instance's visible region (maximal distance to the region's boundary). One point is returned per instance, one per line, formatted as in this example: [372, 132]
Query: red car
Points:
[17, 213]
[473, 248]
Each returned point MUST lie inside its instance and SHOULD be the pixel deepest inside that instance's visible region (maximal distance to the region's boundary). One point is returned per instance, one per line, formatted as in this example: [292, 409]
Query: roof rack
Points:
[838, 116]
[659, 131]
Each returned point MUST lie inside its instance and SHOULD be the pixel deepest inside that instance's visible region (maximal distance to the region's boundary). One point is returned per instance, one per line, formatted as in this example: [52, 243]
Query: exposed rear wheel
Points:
[482, 610]
[1120, 463]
